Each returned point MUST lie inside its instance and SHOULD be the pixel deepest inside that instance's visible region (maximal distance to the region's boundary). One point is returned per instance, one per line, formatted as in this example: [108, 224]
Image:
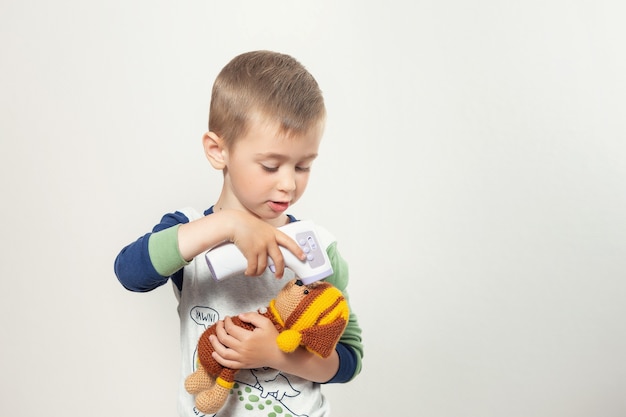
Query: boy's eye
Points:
[268, 168]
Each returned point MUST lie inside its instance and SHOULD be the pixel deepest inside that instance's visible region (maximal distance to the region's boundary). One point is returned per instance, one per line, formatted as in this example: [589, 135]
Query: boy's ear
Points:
[214, 150]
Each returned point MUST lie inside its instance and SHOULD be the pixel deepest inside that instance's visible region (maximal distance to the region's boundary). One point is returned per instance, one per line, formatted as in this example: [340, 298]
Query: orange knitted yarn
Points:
[316, 321]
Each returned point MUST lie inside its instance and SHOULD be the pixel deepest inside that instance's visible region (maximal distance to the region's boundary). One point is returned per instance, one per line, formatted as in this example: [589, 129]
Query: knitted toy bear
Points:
[313, 316]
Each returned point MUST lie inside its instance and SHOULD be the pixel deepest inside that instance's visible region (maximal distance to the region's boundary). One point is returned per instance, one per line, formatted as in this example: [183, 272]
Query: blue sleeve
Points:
[133, 266]
[347, 364]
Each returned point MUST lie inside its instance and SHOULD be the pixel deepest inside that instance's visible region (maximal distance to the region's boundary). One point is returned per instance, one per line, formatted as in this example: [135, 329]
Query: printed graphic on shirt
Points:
[204, 316]
[262, 392]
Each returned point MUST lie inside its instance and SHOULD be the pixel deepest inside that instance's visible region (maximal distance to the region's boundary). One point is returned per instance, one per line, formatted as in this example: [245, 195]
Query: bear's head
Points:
[313, 316]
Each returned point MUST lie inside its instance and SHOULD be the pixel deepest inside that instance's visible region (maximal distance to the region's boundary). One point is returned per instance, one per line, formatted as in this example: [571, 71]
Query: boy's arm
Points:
[239, 348]
[350, 346]
[134, 265]
[310, 366]
[255, 238]
[152, 259]
[345, 362]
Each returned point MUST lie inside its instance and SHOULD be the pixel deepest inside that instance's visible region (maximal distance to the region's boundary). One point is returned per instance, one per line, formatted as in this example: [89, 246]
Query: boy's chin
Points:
[275, 219]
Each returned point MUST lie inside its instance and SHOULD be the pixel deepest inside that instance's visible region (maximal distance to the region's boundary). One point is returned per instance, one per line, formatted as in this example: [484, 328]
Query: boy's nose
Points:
[287, 182]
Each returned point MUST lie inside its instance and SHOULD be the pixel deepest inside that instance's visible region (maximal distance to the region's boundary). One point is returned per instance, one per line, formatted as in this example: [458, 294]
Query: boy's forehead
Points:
[266, 139]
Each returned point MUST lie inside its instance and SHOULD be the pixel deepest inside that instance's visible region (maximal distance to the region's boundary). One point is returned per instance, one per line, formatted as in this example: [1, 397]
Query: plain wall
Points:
[473, 170]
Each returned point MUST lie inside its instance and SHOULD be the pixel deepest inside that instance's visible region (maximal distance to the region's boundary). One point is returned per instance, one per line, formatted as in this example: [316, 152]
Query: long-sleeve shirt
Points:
[154, 259]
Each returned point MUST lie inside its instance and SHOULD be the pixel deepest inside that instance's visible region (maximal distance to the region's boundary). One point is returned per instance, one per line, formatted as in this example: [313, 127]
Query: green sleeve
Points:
[352, 335]
[164, 253]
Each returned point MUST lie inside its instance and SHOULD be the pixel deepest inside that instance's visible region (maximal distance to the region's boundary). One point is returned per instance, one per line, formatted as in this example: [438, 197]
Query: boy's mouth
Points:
[278, 206]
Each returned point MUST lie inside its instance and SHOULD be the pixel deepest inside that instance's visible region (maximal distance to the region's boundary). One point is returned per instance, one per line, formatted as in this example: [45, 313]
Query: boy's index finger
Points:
[278, 261]
[287, 242]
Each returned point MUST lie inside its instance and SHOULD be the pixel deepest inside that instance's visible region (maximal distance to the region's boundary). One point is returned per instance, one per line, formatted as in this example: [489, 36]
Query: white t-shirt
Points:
[257, 392]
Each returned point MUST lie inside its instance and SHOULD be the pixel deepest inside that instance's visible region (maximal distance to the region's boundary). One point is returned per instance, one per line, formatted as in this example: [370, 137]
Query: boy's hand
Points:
[238, 348]
[257, 240]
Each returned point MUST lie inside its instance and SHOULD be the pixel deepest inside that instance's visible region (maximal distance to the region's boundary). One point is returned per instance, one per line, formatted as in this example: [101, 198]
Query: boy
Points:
[266, 122]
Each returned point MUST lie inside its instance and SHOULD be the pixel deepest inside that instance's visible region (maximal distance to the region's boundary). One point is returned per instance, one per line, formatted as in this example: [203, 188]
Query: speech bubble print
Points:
[204, 316]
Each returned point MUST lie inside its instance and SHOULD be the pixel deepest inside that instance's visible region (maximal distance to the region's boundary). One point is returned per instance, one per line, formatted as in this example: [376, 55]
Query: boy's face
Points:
[267, 172]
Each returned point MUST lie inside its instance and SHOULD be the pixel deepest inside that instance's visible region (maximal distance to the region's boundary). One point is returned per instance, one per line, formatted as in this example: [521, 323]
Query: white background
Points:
[473, 170]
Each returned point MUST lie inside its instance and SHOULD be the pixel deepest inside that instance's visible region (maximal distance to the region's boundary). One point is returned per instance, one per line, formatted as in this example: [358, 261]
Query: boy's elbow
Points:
[123, 275]
[133, 276]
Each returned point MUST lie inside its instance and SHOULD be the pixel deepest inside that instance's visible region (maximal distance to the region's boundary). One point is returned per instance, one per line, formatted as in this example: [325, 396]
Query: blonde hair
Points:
[267, 84]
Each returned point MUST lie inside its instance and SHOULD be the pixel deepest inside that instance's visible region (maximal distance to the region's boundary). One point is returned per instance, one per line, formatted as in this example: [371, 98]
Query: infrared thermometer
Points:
[226, 260]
